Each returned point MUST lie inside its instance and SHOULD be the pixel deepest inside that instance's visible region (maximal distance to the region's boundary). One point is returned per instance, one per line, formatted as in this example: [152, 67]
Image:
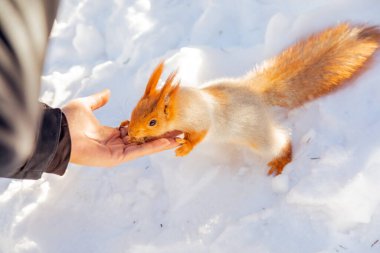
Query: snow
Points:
[217, 199]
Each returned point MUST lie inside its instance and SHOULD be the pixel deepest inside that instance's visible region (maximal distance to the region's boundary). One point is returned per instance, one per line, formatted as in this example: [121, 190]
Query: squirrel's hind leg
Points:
[278, 163]
[275, 146]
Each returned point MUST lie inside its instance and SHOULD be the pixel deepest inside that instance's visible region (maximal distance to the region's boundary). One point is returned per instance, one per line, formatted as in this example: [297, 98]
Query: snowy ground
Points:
[218, 199]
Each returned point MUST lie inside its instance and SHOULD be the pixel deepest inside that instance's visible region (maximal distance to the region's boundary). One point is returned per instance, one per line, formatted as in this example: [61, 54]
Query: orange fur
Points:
[154, 105]
[152, 83]
[124, 123]
[278, 163]
[316, 66]
[236, 109]
[216, 93]
[191, 139]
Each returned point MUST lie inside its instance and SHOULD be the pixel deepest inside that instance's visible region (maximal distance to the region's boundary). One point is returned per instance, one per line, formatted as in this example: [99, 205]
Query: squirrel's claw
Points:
[180, 140]
[184, 149]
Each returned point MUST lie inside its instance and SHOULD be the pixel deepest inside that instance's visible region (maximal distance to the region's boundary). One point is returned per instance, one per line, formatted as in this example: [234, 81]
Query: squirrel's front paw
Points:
[180, 140]
[184, 149]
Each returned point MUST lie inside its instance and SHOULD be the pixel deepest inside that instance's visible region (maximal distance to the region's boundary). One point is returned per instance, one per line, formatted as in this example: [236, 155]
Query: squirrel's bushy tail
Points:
[316, 66]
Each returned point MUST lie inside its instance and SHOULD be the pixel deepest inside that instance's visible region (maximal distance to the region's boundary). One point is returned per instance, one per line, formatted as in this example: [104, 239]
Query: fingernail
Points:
[164, 142]
[123, 131]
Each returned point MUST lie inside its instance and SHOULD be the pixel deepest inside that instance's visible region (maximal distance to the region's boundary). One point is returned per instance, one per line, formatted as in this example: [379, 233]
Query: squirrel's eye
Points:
[153, 122]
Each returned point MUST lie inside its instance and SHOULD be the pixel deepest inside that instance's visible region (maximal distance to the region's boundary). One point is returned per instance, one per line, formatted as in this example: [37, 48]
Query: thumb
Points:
[97, 100]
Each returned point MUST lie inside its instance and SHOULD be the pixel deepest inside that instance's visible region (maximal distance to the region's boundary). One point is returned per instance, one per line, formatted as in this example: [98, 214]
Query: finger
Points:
[150, 147]
[127, 140]
[103, 134]
[108, 132]
[116, 146]
[115, 140]
[123, 131]
[124, 123]
[97, 100]
[171, 134]
[173, 143]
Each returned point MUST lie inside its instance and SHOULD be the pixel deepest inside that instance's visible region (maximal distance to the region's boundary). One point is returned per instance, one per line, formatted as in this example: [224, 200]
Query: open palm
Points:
[93, 144]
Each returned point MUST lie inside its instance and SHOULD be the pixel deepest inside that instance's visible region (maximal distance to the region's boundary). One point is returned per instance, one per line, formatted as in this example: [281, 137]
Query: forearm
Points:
[53, 147]
[24, 31]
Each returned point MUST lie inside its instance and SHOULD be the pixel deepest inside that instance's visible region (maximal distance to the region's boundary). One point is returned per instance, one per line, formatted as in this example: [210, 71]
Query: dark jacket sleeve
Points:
[52, 152]
[31, 136]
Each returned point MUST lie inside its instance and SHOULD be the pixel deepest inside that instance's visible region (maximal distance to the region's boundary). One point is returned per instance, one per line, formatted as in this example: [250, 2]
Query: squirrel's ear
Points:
[173, 91]
[153, 80]
[168, 91]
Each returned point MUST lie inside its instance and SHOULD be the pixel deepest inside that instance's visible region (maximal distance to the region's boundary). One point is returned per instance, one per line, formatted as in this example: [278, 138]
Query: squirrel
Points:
[238, 110]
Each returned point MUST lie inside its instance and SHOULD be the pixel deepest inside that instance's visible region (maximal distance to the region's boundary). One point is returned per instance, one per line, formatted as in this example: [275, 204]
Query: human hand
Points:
[93, 144]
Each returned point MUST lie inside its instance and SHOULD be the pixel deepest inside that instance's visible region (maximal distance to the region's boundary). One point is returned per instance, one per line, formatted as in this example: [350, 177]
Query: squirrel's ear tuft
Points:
[169, 90]
[153, 80]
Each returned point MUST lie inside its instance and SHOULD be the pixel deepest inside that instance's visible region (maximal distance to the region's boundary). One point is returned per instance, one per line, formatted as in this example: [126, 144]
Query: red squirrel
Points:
[237, 110]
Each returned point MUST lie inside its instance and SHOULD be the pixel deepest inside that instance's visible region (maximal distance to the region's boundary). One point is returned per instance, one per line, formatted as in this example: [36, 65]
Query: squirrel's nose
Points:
[132, 132]
[135, 135]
